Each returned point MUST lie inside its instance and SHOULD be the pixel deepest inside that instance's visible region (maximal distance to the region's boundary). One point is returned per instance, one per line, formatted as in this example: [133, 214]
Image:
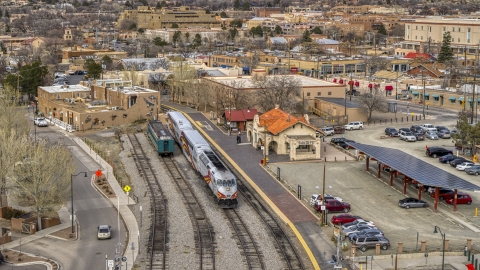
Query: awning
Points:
[350, 82]
[341, 81]
[435, 95]
[389, 87]
[357, 83]
[415, 93]
[370, 85]
[461, 98]
[427, 95]
[335, 80]
[469, 100]
[376, 85]
[452, 98]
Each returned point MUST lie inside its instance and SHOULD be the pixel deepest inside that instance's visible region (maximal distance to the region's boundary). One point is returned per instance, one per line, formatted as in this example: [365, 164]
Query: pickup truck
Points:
[429, 127]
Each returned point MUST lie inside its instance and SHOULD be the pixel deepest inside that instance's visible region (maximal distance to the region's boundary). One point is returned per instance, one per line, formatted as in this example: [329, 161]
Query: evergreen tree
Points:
[158, 6]
[317, 30]
[246, 6]
[236, 4]
[1, 13]
[223, 14]
[197, 40]
[6, 14]
[306, 37]
[278, 30]
[94, 70]
[446, 52]
[382, 30]
[174, 25]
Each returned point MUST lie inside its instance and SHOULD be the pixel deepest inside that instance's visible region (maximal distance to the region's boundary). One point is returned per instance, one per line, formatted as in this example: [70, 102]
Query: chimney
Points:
[288, 118]
[277, 106]
[92, 92]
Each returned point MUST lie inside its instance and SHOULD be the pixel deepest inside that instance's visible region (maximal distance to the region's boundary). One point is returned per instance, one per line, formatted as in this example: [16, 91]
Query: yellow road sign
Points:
[127, 188]
[427, 103]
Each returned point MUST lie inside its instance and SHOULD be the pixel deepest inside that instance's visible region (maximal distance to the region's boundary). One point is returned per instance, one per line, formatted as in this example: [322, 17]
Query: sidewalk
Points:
[412, 261]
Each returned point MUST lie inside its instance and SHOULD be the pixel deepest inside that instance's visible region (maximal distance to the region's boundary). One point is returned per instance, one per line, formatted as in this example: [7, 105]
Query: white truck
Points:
[354, 125]
[428, 127]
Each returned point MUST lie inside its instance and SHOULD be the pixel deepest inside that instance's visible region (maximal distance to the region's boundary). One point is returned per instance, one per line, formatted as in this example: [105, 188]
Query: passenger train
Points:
[203, 159]
[162, 141]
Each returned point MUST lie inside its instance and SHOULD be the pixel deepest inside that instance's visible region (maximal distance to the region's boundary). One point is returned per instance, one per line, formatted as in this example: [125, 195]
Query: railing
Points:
[62, 125]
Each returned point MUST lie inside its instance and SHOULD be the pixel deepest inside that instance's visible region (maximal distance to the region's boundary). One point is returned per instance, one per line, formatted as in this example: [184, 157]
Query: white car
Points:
[359, 222]
[429, 127]
[354, 125]
[41, 122]
[465, 165]
[71, 72]
[328, 130]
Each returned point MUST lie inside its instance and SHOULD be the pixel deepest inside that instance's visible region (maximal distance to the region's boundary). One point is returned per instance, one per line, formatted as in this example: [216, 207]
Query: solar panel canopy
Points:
[414, 168]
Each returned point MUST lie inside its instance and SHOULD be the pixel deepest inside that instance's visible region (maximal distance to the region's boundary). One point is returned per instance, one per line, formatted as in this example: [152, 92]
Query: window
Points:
[329, 93]
[430, 29]
[436, 99]
[416, 37]
[453, 29]
[308, 94]
[453, 39]
[459, 30]
[422, 27]
[110, 99]
[426, 97]
[458, 39]
[421, 37]
[416, 27]
[95, 94]
[58, 96]
[319, 93]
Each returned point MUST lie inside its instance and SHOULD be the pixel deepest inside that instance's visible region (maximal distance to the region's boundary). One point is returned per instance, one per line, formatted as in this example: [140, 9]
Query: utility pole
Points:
[474, 102]
[323, 194]
[423, 101]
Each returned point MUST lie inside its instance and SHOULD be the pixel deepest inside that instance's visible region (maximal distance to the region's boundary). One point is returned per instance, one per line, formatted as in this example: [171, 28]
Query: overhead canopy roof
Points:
[414, 168]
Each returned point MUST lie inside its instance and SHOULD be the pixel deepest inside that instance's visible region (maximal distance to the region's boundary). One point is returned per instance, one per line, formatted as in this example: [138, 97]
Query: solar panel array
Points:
[414, 168]
[214, 159]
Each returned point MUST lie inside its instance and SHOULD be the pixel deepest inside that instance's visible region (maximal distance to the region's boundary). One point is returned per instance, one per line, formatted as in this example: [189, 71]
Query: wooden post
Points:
[455, 198]
[435, 201]
[368, 162]
[379, 166]
[391, 178]
[405, 181]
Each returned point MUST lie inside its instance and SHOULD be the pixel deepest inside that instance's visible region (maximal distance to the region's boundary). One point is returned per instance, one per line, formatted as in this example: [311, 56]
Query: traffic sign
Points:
[127, 188]
[98, 173]
[427, 103]
[124, 259]
[110, 263]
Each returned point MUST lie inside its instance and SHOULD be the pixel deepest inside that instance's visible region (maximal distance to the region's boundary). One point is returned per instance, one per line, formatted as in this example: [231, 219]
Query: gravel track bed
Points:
[181, 243]
[181, 254]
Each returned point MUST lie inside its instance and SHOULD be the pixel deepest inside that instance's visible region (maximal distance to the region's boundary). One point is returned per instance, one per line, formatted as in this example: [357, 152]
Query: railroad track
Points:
[250, 250]
[159, 230]
[284, 245]
[204, 236]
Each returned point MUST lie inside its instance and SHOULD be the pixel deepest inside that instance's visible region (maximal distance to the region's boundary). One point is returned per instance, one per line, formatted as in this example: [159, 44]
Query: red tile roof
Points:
[240, 115]
[277, 121]
[412, 55]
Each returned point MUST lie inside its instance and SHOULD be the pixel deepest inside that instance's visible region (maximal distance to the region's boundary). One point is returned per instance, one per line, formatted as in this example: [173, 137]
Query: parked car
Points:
[328, 130]
[431, 135]
[344, 144]
[419, 135]
[412, 202]
[357, 228]
[428, 127]
[339, 129]
[358, 222]
[364, 243]
[71, 72]
[437, 151]
[104, 232]
[464, 165]
[461, 199]
[404, 129]
[442, 128]
[443, 193]
[444, 134]
[391, 132]
[343, 219]
[447, 158]
[354, 125]
[79, 72]
[457, 161]
[475, 169]
[335, 206]
[41, 122]
[406, 136]
[337, 140]
[365, 233]
[416, 128]
[316, 198]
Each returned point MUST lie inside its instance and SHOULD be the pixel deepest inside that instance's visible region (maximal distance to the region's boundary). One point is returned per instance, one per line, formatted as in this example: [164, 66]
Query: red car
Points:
[335, 206]
[343, 219]
[461, 199]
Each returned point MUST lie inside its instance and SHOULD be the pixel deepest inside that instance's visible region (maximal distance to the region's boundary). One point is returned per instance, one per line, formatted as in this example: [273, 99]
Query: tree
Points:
[246, 6]
[467, 135]
[31, 77]
[278, 30]
[306, 37]
[236, 4]
[158, 41]
[371, 102]
[42, 178]
[446, 52]
[258, 30]
[317, 30]
[197, 41]
[398, 30]
[281, 90]
[187, 37]
[108, 62]
[94, 70]
[174, 25]
[237, 23]
[233, 32]
[381, 29]
[223, 14]
[177, 37]
[180, 83]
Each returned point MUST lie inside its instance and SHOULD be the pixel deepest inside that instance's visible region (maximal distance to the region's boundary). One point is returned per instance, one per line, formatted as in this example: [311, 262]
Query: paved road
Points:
[26, 267]
[91, 210]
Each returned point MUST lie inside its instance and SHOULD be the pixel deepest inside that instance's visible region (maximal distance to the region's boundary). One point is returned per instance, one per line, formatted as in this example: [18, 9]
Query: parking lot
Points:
[375, 200]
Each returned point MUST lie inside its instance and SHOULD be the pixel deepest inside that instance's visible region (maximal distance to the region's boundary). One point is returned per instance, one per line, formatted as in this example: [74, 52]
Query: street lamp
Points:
[443, 238]
[423, 101]
[71, 191]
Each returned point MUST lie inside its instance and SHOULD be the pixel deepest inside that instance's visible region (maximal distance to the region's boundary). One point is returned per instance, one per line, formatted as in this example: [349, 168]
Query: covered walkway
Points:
[414, 170]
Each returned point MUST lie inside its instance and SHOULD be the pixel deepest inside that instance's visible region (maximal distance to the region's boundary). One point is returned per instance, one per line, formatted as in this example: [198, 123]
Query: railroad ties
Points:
[159, 230]
[204, 236]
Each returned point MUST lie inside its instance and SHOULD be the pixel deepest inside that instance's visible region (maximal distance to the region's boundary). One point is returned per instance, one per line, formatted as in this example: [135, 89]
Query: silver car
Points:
[104, 232]
[431, 135]
[407, 136]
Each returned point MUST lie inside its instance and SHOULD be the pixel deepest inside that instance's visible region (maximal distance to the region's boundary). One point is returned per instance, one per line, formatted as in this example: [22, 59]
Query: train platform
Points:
[248, 158]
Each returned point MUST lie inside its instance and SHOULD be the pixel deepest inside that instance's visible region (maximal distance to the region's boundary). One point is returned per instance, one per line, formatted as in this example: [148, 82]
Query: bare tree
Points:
[371, 102]
[281, 90]
[42, 178]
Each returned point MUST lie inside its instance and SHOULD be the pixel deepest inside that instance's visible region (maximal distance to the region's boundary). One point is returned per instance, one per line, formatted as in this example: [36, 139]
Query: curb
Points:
[47, 263]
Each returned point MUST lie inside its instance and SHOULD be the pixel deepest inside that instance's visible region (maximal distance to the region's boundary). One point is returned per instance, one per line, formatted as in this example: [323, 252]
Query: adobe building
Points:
[97, 104]
[285, 134]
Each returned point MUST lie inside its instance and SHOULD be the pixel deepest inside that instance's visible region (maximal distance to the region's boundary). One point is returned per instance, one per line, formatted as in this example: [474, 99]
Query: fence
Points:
[402, 119]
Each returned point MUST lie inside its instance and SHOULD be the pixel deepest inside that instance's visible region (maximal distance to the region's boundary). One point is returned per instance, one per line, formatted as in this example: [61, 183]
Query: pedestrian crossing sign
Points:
[127, 188]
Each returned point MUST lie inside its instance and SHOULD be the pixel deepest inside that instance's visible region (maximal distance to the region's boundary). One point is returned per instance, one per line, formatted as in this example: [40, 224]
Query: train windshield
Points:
[233, 182]
[219, 183]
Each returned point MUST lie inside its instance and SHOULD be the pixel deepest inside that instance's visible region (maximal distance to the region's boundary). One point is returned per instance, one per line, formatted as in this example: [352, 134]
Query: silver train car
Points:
[203, 159]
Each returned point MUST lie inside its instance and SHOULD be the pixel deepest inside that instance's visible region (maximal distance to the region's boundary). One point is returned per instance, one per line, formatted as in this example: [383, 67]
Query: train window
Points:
[224, 183]
[233, 182]
[229, 183]
[219, 183]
